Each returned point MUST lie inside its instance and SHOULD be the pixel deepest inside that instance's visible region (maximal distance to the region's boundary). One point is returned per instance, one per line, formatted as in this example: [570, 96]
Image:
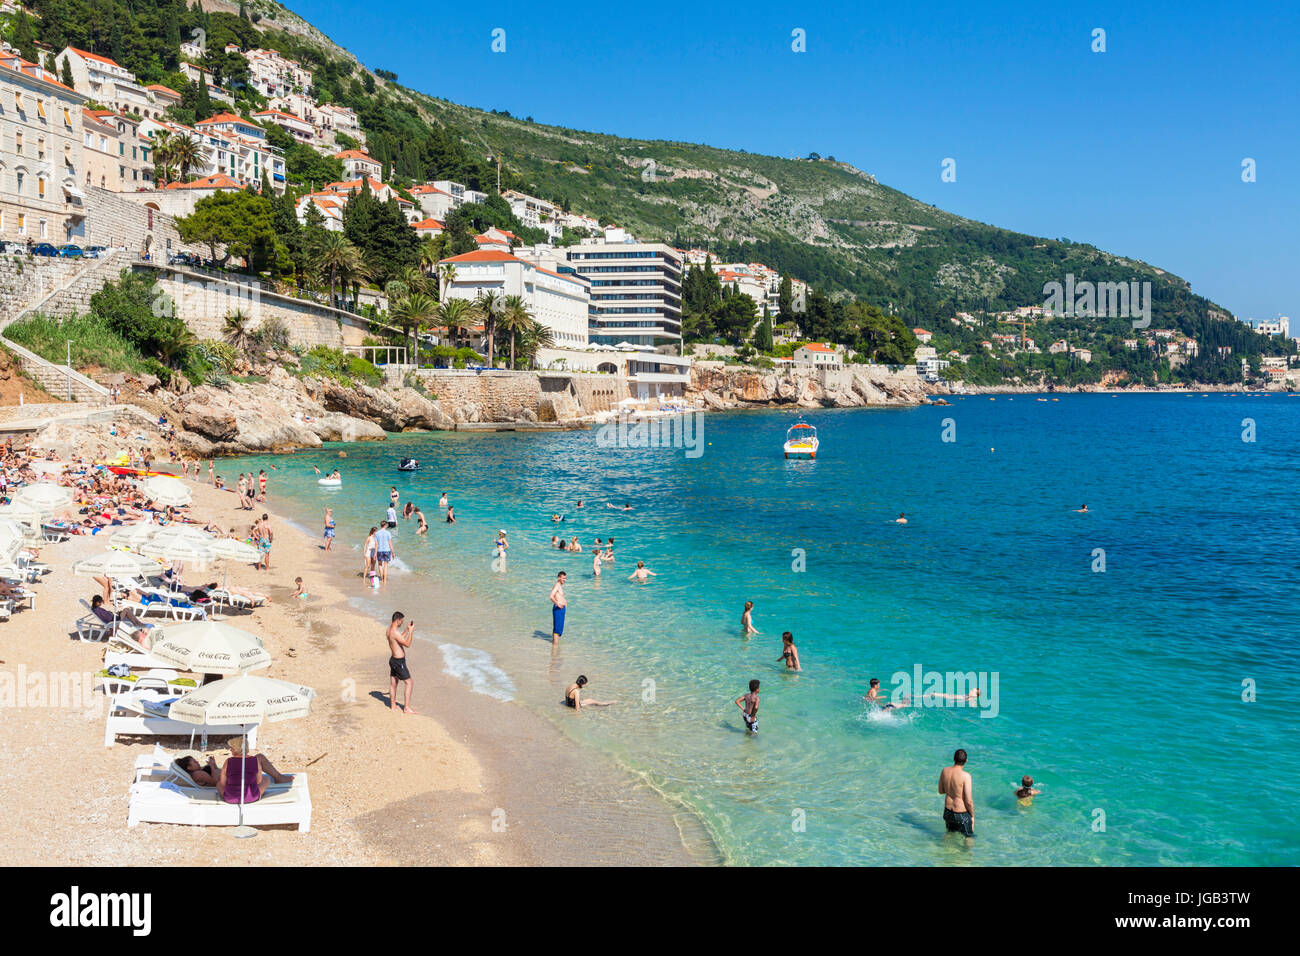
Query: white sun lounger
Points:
[127, 716]
[170, 802]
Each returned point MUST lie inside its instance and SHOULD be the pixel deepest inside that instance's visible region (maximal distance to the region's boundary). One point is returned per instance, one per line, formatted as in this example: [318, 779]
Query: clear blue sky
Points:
[1137, 150]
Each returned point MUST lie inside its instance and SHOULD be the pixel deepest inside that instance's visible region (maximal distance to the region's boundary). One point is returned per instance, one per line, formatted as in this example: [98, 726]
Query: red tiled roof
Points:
[816, 347]
[357, 154]
[484, 255]
[429, 224]
[161, 88]
[223, 118]
[95, 56]
[219, 181]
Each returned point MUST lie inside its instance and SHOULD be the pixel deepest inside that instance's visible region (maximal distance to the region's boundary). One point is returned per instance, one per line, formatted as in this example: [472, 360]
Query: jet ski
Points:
[408, 464]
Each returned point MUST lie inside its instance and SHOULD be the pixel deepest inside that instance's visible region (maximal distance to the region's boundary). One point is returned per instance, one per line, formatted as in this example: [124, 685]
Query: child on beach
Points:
[748, 704]
[298, 591]
[573, 696]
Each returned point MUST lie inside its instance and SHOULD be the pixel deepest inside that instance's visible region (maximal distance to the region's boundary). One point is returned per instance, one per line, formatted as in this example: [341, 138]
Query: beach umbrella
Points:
[245, 699]
[134, 535]
[178, 551]
[23, 512]
[115, 564]
[166, 490]
[232, 549]
[182, 532]
[44, 497]
[210, 647]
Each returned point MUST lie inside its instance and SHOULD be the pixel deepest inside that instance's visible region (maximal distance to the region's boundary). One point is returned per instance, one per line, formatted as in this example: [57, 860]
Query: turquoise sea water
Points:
[1120, 690]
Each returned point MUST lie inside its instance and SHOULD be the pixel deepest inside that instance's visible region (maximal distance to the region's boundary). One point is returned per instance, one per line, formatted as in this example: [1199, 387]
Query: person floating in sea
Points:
[747, 619]
[873, 696]
[579, 505]
[1025, 795]
[557, 518]
[575, 544]
[901, 519]
[398, 642]
[558, 606]
[1082, 511]
[958, 804]
[641, 573]
[789, 653]
[573, 696]
[329, 528]
[748, 704]
[626, 506]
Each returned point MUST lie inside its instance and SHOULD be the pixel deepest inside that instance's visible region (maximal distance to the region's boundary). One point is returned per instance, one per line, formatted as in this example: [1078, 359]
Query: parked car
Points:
[95, 252]
[44, 249]
[184, 259]
[9, 247]
[71, 250]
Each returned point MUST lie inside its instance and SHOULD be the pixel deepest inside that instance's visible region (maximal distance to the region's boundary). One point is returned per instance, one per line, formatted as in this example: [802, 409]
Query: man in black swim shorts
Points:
[398, 641]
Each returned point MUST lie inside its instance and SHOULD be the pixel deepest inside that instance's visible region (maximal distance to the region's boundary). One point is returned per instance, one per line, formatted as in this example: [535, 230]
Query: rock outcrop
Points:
[737, 386]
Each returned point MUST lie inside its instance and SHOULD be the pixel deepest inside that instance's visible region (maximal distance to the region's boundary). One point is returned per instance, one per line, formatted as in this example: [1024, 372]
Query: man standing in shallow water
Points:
[958, 807]
[558, 607]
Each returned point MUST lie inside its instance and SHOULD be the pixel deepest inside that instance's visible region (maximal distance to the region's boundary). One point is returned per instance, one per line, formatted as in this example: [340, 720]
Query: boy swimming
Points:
[748, 704]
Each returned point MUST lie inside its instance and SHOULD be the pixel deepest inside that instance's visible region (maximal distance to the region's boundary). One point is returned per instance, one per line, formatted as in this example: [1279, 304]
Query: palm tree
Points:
[491, 305]
[532, 338]
[412, 312]
[235, 330]
[338, 259]
[429, 251]
[456, 314]
[164, 157]
[416, 280]
[514, 319]
[185, 154]
[446, 276]
[174, 346]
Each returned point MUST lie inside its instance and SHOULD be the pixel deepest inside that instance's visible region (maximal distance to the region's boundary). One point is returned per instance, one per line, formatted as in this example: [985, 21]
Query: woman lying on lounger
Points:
[248, 771]
[126, 614]
[203, 774]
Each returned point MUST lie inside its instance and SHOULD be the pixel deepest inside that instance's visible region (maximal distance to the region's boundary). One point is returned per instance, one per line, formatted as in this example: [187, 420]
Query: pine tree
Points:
[24, 39]
[66, 76]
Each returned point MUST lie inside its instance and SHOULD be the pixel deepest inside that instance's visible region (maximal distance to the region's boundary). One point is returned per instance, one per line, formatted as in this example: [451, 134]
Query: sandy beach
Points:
[467, 781]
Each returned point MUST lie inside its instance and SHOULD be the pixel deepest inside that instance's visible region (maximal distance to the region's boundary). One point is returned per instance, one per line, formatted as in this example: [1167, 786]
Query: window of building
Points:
[18, 142]
[40, 148]
[18, 102]
[18, 182]
[40, 108]
[22, 224]
[45, 229]
[67, 118]
[40, 187]
[121, 149]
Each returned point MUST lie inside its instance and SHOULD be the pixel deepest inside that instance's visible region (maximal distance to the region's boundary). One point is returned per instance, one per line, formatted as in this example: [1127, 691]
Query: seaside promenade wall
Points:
[203, 299]
[502, 395]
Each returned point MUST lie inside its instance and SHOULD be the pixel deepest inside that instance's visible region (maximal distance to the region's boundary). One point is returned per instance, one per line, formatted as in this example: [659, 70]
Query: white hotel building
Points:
[556, 301]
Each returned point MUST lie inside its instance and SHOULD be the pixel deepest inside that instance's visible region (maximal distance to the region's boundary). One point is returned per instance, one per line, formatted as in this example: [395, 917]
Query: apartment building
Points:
[329, 206]
[636, 289]
[295, 126]
[226, 153]
[134, 167]
[534, 212]
[360, 165]
[273, 75]
[101, 143]
[41, 154]
[340, 119]
[107, 82]
[820, 355]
